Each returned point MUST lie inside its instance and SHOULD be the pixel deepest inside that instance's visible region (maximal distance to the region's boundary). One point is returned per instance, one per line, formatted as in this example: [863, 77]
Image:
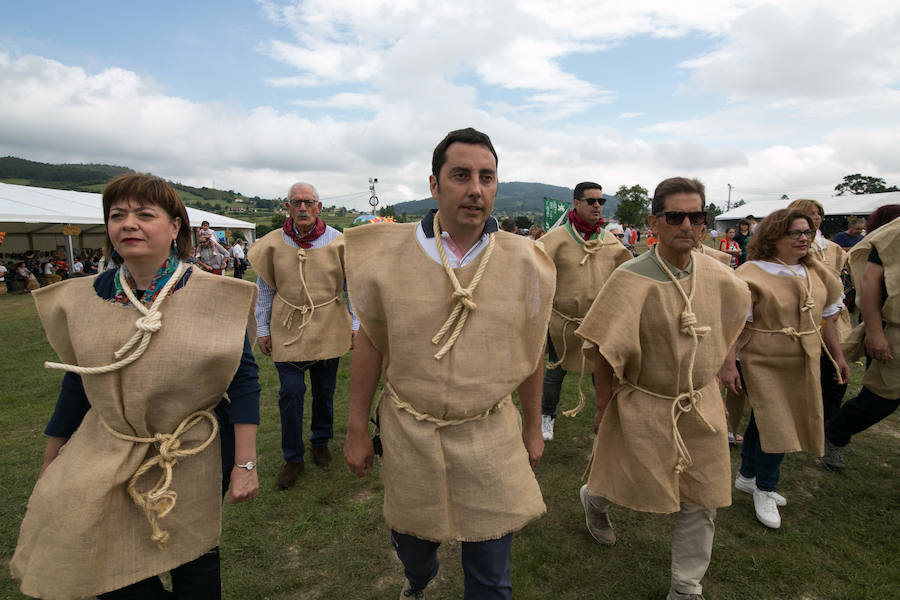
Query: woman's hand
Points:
[244, 485]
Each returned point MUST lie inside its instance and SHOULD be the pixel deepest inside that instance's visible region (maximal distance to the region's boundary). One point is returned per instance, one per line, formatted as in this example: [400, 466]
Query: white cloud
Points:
[631, 115]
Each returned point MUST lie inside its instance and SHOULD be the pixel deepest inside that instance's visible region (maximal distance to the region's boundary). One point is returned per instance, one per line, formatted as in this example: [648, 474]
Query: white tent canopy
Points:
[860, 205]
[33, 218]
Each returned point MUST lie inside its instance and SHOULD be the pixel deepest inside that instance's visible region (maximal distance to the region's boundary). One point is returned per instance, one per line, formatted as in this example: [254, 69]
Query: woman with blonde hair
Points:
[779, 352]
[141, 445]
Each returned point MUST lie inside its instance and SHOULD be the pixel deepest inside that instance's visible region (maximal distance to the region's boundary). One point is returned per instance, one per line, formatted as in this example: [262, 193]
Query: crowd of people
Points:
[659, 334]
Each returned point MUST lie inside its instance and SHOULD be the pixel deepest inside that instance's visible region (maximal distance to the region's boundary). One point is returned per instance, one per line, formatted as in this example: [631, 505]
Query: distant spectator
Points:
[536, 232]
[211, 257]
[729, 246]
[26, 278]
[616, 230]
[5, 284]
[751, 220]
[853, 235]
[33, 262]
[509, 224]
[77, 268]
[742, 237]
[240, 263]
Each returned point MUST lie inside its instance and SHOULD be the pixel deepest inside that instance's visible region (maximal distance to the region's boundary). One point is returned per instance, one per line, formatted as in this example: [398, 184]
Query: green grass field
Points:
[325, 538]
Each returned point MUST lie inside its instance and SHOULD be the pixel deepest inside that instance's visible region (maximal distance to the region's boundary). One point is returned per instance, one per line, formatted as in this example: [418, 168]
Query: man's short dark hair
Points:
[584, 186]
[509, 224]
[676, 185]
[464, 136]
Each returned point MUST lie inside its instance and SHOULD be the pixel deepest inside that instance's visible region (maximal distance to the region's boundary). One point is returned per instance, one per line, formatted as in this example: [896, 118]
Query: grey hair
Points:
[304, 184]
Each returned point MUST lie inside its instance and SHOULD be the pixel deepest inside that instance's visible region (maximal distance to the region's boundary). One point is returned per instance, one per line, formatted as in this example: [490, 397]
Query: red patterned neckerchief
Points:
[583, 228]
[306, 240]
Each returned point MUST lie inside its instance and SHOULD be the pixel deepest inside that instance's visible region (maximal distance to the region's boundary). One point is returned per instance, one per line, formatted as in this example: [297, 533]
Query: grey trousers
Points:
[691, 546]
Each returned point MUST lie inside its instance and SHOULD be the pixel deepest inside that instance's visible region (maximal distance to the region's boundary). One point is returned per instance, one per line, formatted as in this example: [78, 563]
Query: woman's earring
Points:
[175, 245]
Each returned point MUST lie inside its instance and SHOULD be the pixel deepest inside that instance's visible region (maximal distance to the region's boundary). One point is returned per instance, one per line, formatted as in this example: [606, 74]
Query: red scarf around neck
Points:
[306, 240]
[583, 228]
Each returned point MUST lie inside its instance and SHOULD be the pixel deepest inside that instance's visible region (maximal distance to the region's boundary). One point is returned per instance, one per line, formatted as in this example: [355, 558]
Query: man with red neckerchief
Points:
[585, 255]
[304, 322]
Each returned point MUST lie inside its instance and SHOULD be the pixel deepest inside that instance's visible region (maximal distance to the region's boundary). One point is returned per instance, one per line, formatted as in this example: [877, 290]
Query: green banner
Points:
[553, 210]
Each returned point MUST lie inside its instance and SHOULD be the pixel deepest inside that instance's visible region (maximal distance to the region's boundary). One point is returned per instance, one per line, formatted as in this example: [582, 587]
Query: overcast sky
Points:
[771, 97]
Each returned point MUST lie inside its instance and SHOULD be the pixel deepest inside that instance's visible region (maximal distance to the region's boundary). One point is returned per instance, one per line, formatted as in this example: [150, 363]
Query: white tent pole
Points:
[70, 253]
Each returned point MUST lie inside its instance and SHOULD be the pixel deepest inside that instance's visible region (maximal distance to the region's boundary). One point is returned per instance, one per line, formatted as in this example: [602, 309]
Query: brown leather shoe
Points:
[321, 456]
[289, 474]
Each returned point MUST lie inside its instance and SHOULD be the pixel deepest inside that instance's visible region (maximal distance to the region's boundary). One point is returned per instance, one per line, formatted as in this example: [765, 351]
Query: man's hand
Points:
[730, 377]
[359, 453]
[244, 485]
[843, 369]
[265, 344]
[534, 445]
[877, 346]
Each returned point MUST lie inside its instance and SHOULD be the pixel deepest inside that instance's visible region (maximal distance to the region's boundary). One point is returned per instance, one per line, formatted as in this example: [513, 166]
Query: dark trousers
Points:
[858, 414]
[322, 379]
[832, 391]
[199, 579]
[756, 463]
[553, 380]
[486, 565]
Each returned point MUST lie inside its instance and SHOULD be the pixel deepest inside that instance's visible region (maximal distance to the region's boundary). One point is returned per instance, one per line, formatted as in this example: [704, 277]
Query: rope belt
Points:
[568, 321]
[462, 296]
[306, 313]
[437, 421]
[807, 306]
[146, 326]
[159, 500]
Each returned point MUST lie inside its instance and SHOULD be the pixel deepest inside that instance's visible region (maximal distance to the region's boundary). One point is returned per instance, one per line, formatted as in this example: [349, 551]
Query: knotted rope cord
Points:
[590, 248]
[686, 401]
[147, 325]
[568, 320]
[159, 500]
[306, 310]
[437, 421]
[807, 307]
[462, 296]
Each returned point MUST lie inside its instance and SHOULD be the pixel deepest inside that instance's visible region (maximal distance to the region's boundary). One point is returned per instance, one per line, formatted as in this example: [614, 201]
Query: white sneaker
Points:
[748, 486]
[547, 427]
[766, 509]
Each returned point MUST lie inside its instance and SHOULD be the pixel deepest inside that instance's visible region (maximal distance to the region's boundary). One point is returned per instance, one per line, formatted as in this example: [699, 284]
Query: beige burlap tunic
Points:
[300, 332]
[82, 534]
[834, 257]
[781, 370]
[581, 270]
[722, 257]
[635, 324]
[471, 481]
[883, 377]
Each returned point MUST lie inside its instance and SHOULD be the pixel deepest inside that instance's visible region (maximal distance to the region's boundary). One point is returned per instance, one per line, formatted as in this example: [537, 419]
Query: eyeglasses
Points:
[796, 234]
[677, 218]
[306, 203]
[593, 201]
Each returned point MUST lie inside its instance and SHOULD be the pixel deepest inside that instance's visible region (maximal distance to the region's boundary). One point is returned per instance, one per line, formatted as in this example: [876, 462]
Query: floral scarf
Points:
[159, 280]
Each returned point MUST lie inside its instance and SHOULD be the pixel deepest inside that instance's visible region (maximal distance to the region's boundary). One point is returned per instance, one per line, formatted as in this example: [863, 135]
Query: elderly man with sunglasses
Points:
[657, 334]
[585, 255]
[304, 322]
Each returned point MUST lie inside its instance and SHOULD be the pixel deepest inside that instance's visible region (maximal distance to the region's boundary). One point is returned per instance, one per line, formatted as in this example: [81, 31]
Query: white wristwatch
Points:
[249, 465]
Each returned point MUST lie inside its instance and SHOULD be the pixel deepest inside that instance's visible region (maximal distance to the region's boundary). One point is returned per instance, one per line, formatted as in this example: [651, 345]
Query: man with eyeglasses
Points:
[585, 255]
[657, 334]
[304, 322]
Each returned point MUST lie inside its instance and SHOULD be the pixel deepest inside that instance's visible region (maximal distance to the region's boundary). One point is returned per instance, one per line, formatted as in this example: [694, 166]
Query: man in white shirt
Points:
[237, 253]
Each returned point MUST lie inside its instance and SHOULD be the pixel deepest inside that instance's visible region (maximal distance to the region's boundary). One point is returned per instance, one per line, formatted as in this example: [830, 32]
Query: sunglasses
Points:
[619, 235]
[677, 218]
[796, 234]
[593, 201]
[306, 203]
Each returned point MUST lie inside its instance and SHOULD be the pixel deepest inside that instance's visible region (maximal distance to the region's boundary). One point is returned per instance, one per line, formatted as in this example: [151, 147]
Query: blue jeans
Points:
[322, 378]
[756, 463]
[198, 579]
[486, 566]
[858, 414]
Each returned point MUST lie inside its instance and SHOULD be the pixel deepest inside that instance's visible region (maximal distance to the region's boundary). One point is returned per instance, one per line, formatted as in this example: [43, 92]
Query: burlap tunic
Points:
[883, 378]
[781, 371]
[722, 257]
[327, 333]
[635, 325]
[581, 270]
[834, 257]
[471, 481]
[82, 534]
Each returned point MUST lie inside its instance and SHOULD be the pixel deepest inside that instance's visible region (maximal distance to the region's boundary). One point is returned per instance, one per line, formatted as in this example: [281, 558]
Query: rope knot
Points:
[795, 335]
[689, 325]
[150, 323]
[168, 446]
[301, 254]
[464, 296]
[808, 305]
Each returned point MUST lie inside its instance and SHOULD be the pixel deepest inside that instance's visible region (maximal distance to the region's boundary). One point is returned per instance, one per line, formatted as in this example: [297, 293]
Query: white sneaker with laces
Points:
[748, 486]
[766, 509]
[547, 423]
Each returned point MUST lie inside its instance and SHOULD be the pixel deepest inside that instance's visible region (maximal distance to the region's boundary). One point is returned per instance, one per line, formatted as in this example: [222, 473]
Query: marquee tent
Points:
[836, 208]
[33, 219]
